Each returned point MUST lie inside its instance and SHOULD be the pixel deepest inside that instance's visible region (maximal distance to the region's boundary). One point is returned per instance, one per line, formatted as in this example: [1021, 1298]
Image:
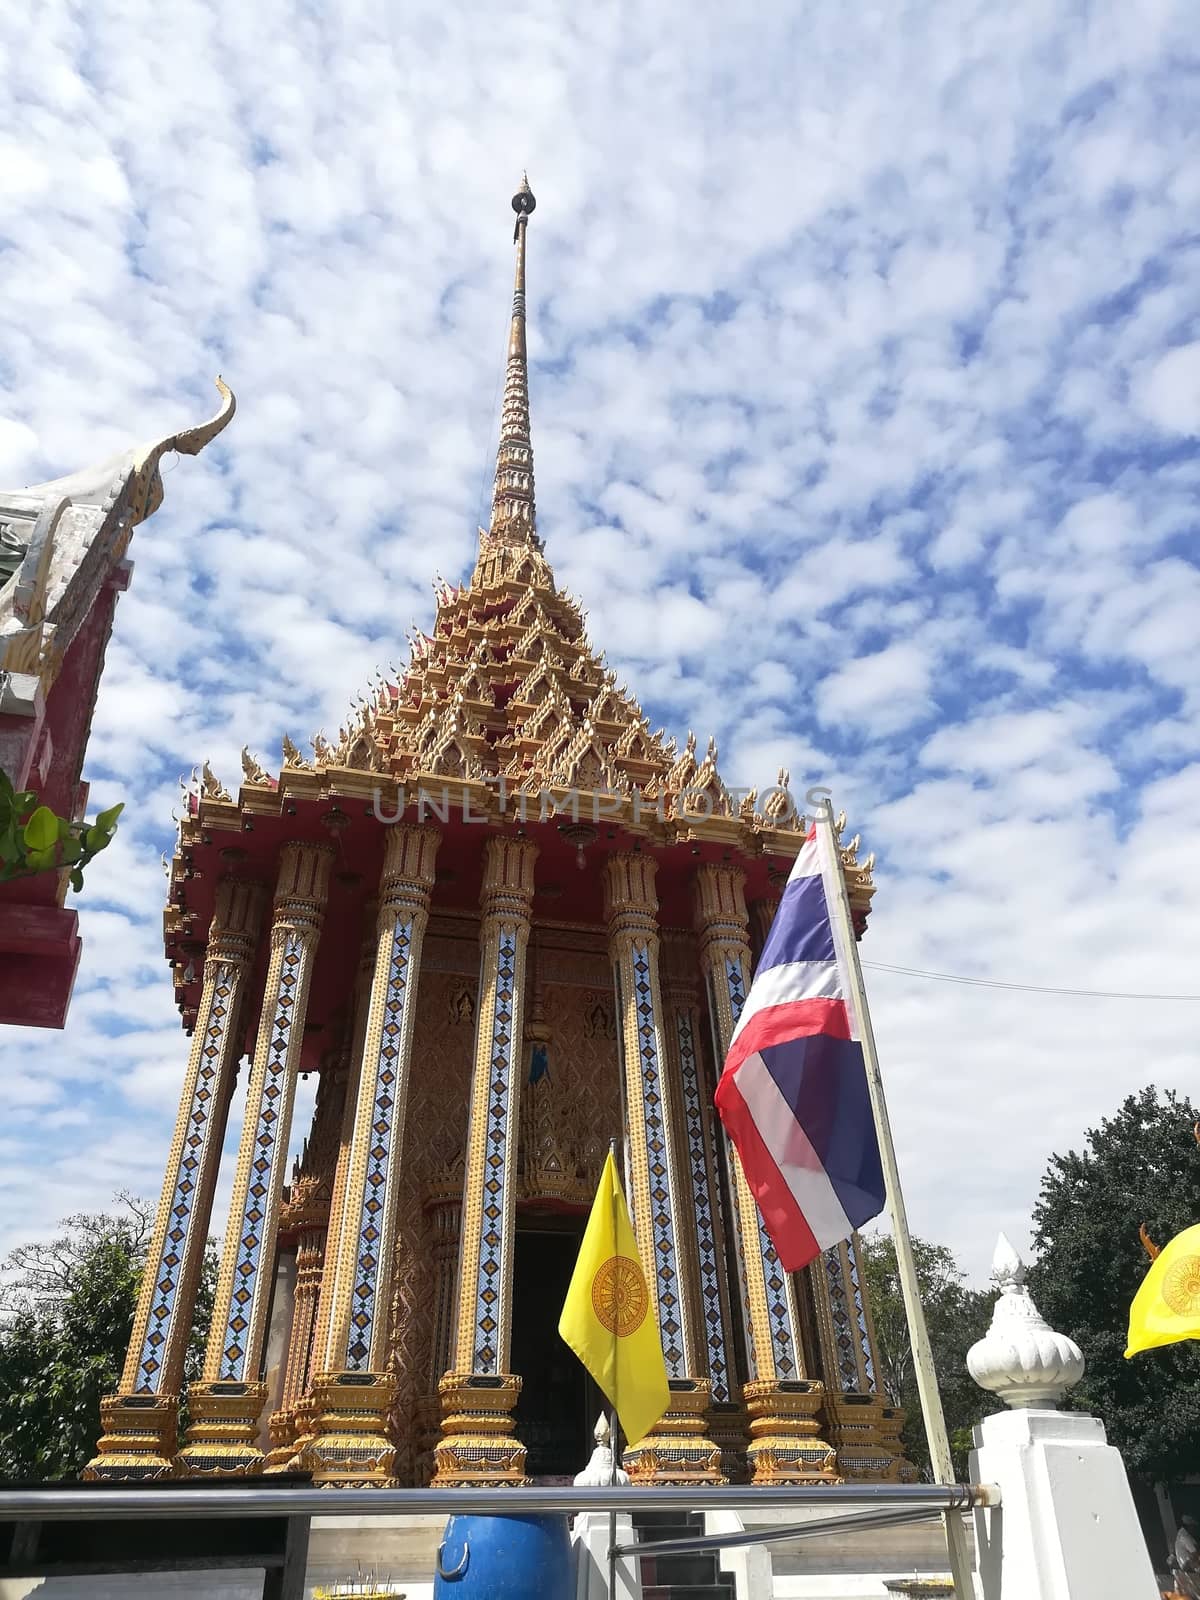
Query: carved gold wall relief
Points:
[573, 1108]
[432, 1165]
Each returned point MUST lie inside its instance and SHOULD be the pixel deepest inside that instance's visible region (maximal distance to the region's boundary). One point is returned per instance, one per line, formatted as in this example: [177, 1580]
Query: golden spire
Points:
[513, 518]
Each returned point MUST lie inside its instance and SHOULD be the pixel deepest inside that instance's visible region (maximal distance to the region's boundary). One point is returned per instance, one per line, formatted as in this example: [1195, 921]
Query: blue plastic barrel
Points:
[504, 1558]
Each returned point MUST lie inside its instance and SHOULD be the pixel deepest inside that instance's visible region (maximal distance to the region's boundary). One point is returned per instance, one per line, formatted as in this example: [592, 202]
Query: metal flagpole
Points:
[927, 1386]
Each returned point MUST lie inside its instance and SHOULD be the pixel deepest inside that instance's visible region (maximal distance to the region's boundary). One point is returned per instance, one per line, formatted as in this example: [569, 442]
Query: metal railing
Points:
[53, 1530]
[102, 1500]
[857, 1522]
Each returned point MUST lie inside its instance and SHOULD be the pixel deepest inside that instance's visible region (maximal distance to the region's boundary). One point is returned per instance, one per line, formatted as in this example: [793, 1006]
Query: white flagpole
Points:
[927, 1385]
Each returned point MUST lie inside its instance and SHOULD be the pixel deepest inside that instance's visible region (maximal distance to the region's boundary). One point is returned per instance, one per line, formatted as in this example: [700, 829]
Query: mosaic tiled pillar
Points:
[306, 1411]
[479, 1393]
[783, 1401]
[677, 1449]
[709, 1282]
[863, 1427]
[141, 1419]
[306, 1219]
[354, 1389]
[225, 1407]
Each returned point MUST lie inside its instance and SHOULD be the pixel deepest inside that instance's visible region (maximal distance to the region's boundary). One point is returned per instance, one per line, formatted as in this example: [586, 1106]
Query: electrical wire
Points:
[1025, 988]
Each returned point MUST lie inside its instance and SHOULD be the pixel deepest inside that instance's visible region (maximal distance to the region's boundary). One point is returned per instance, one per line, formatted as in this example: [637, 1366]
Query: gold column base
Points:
[304, 1430]
[429, 1428]
[222, 1437]
[785, 1437]
[139, 1439]
[352, 1448]
[728, 1427]
[676, 1450]
[281, 1429]
[891, 1422]
[478, 1448]
[854, 1420]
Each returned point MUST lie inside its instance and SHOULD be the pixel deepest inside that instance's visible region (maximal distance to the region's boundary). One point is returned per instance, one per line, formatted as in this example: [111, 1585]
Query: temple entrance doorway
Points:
[559, 1403]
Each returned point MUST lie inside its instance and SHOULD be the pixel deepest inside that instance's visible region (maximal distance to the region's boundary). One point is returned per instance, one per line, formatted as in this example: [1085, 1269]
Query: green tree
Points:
[33, 839]
[66, 1312]
[956, 1316]
[1140, 1166]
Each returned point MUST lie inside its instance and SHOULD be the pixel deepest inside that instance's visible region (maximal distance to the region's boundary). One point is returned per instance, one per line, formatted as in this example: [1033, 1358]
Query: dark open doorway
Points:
[559, 1403]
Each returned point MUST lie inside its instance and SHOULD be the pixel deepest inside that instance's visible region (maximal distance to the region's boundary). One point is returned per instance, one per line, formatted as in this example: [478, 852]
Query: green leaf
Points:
[41, 831]
[70, 850]
[6, 786]
[43, 860]
[10, 843]
[76, 879]
[108, 819]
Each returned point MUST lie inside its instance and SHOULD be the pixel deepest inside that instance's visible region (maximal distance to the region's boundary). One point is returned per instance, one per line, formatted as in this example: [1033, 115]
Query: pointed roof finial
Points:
[513, 515]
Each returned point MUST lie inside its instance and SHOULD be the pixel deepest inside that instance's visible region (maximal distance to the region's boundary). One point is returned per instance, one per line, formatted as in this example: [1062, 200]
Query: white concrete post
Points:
[1066, 1528]
[749, 1565]
[593, 1531]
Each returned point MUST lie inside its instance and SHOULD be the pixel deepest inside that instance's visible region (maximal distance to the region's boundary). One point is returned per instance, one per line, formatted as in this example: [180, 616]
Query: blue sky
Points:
[866, 389]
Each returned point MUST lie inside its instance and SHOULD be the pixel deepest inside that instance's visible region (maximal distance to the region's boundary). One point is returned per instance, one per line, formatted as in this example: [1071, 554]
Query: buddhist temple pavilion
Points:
[505, 921]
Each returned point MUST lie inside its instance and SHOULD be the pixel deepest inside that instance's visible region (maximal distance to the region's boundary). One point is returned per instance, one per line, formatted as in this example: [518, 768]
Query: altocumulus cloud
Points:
[865, 394]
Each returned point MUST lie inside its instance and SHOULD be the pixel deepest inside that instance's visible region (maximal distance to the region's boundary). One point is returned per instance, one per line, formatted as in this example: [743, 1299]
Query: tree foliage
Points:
[66, 1311]
[33, 839]
[956, 1316]
[1141, 1166]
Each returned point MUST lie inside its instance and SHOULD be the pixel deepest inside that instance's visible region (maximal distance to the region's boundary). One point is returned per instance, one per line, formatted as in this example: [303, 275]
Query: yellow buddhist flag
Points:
[608, 1319]
[1167, 1306]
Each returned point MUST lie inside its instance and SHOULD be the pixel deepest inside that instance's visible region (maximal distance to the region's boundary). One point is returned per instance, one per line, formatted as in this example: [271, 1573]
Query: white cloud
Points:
[885, 691]
[1169, 392]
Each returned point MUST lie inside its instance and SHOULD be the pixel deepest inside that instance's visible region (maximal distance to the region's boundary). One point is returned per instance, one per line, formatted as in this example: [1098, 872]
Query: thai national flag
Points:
[793, 1095]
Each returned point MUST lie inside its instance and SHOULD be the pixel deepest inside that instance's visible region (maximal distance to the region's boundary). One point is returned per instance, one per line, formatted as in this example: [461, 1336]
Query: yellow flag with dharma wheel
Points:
[608, 1318]
[1167, 1306]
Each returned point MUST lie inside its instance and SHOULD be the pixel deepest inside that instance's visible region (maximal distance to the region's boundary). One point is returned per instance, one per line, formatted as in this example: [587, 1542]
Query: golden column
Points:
[354, 1390]
[305, 1424]
[783, 1402]
[677, 1450]
[141, 1419]
[478, 1395]
[762, 915]
[306, 1216]
[225, 1408]
[710, 1283]
[864, 1428]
